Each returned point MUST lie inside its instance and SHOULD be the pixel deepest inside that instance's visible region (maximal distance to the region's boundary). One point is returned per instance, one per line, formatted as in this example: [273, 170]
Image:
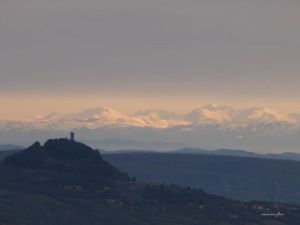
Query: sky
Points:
[68, 55]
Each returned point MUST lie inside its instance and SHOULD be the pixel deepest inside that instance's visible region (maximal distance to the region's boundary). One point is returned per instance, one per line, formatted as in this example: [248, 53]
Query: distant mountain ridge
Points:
[241, 153]
[106, 117]
[10, 147]
[219, 152]
[193, 151]
[208, 127]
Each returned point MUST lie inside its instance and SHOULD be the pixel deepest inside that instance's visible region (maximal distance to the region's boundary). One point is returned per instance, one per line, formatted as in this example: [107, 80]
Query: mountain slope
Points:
[58, 183]
[211, 114]
[86, 165]
[234, 177]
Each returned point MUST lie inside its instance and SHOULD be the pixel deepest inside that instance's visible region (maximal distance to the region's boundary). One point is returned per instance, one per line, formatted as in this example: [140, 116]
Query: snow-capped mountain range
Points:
[209, 115]
[210, 127]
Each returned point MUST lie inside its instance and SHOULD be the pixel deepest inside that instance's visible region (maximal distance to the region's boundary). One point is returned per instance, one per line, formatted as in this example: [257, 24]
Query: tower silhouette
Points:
[72, 136]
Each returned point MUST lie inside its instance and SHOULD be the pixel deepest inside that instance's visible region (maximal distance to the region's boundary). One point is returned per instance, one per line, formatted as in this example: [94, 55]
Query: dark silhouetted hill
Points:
[5, 153]
[64, 157]
[65, 182]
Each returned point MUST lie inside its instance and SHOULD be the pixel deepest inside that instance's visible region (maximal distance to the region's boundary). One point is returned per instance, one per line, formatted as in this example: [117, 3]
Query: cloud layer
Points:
[212, 48]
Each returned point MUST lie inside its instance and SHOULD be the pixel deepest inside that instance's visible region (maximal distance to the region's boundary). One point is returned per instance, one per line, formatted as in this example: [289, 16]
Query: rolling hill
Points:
[231, 176]
[66, 182]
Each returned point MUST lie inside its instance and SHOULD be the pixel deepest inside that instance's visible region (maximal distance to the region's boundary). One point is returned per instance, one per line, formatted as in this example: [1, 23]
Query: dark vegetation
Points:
[234, 177]
[4, 153]
[68, 183]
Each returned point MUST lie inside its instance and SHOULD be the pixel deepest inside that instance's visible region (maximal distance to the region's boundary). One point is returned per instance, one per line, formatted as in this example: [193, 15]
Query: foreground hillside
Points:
[235, 177]
[65, 182]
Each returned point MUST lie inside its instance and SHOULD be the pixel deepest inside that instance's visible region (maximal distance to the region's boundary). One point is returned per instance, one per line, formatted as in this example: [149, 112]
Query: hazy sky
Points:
[64, 55]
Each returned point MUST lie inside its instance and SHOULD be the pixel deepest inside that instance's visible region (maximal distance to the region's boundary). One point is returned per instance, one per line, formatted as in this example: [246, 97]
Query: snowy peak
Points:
[99, 117]
[160, 118]
[97, 114]
[105, 117]
[295, 116]
[263, 115]
[47, 117]
[269, 115]
[162, 114]
[209, 115]
[228, 115]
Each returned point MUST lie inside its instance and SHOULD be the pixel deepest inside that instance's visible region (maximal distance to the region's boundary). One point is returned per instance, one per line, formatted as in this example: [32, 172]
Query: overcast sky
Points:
[129, 54]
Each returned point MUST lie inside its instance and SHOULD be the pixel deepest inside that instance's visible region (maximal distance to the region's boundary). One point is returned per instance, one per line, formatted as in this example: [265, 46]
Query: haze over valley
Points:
[256, 129]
